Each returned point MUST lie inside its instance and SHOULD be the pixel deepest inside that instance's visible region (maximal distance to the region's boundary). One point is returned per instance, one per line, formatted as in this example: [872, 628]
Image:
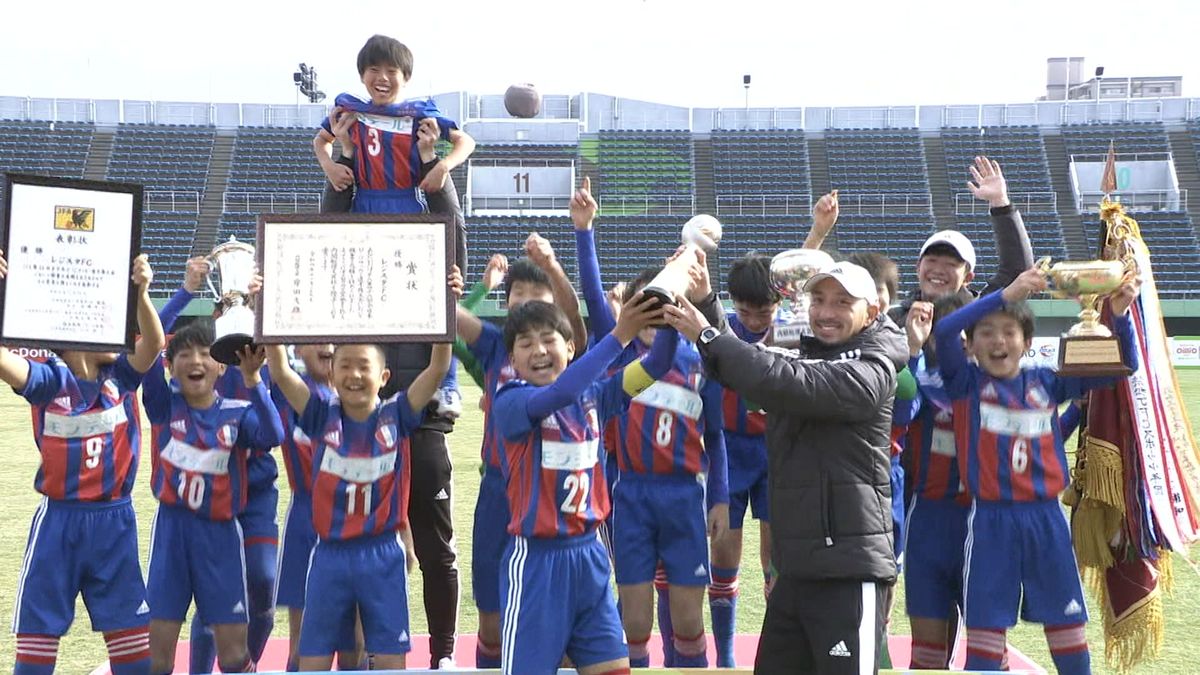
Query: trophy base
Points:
[226, 349]
[1091, 356]
[662, 298]
[788, 335]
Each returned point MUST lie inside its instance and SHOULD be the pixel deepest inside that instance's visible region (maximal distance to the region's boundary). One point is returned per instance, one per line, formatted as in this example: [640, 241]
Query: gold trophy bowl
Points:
[1088, 348]
[789, 271]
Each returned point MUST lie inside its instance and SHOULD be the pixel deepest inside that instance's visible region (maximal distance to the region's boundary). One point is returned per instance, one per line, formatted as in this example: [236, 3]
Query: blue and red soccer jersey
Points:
[361, 470]
[492, 356]
[1007, 431]
[199, 460]
[297, 447]
[555, 470]
[386, 160]
[931, 456]
[667, 428]
[88, 432]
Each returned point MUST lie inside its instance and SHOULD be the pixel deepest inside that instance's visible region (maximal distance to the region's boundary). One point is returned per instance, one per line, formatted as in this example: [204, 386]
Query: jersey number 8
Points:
[664, 427]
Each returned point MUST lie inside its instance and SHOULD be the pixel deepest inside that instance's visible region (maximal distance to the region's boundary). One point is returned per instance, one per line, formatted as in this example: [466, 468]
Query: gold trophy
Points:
[700, 232]
[790, 271]
[233, 263]
[1089, 348]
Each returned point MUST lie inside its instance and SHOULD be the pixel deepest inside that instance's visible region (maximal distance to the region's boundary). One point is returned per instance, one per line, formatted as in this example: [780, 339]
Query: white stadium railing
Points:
[965, 204]
[764, 205]
[271, 202]
[171, 201]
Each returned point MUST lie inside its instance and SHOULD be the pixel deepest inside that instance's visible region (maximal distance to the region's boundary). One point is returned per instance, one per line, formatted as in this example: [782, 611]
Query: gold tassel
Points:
[1088, 527]
[1101, 506]
[1166, 571]
[1104, 477]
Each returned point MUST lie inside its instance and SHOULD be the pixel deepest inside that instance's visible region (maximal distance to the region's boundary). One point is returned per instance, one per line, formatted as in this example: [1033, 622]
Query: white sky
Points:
[838, 52]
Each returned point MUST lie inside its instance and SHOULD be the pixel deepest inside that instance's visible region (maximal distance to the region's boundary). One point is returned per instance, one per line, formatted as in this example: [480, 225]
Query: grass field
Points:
[81, 650]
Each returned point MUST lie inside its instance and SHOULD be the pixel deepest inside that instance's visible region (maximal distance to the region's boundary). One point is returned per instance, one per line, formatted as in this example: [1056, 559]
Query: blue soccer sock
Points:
[261, 557]
[202, 648]
[36, 654]
[985, 648]
[129, 651]
[1069, 649]
[722, 602]
[664, 616]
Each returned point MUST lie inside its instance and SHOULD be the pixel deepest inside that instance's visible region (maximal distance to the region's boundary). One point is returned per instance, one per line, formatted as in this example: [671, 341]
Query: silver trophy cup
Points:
[232, 263]
[700, 232]
[790, 270]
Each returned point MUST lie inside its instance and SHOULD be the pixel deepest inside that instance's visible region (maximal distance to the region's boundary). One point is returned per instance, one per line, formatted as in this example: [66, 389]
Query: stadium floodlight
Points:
[305, 80]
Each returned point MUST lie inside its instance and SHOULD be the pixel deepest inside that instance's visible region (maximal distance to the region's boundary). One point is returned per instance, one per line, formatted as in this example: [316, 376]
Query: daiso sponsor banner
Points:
[1185, 352]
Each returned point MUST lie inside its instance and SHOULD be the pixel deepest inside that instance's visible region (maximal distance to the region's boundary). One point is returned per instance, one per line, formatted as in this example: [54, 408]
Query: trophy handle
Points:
[208, 278]
[1043, 265]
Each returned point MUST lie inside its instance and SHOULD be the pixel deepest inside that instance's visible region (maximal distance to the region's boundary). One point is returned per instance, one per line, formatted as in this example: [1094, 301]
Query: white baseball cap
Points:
[856, 280]
[955, 240]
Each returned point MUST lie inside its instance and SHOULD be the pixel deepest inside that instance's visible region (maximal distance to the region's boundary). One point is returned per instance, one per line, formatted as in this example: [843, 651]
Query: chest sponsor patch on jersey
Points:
[672, 397]
[196, 460]
[1009, 422]
[90, 424]
[941, 442]
[396, 125]
[570, 455]
[358, 469]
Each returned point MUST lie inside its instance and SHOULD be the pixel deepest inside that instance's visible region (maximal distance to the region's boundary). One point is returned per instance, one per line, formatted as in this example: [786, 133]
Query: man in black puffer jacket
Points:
[829, 408]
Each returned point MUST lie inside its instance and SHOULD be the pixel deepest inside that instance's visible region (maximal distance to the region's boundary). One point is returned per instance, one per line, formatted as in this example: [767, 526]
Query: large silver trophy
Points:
[701, 232]
[233, 265]
[790, 270]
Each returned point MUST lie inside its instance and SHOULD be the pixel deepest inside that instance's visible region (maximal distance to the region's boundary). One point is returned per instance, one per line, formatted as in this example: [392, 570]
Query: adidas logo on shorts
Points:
[840, 649]
[701, 571]
[403, 637]
[239, 608]
[143, 609]
[441, 495]
[1073, 607]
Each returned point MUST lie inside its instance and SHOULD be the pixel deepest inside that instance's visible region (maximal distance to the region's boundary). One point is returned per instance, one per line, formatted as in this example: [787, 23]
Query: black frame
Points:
[135, 249]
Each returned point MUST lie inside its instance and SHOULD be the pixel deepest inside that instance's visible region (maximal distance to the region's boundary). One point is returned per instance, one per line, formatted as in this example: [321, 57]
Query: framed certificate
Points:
[70, 246]
[351, 277]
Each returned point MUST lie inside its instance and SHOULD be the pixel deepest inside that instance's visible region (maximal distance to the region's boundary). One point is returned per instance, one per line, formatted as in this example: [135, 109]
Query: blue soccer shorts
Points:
[933, 558]
[557, 601]
[193, 557]
[258, 517]
[660, 518]
[367, 573]
[1019, 556]
[81, 547]
[747, 479]
[489, 538]
[297, 544]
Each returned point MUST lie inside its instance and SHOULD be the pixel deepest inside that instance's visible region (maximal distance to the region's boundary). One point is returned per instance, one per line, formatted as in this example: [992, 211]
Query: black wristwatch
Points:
[708, 335]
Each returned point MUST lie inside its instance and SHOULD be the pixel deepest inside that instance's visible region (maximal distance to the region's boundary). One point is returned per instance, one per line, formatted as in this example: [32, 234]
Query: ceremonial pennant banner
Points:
[355, 278]
[70, 246]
